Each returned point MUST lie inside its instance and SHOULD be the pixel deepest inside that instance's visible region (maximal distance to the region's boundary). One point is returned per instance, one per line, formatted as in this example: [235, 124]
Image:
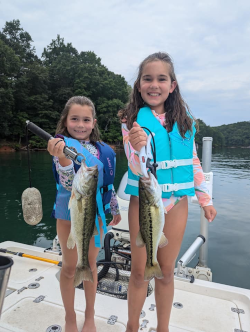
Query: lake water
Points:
[229, 248]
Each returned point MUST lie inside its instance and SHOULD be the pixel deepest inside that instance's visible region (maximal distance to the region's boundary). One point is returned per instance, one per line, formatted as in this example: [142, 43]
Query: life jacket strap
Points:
[166, 164]
[102, 215]
[168, 187]
[107, 188]
[133, 183]
[107, 206]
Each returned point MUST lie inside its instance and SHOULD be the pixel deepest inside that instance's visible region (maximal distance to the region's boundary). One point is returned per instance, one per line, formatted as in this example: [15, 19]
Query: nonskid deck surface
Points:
[204, 306]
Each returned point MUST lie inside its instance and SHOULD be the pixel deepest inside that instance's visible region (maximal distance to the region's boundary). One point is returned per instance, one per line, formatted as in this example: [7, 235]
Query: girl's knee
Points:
[68, 271]
[168, 275]
[137, 277]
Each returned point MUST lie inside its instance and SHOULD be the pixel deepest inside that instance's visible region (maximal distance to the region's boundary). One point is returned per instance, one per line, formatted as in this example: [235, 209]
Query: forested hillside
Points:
[235, 134]
[37, 89]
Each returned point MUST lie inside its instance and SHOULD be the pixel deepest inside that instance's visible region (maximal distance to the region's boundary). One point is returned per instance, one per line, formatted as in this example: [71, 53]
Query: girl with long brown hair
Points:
[156, 103]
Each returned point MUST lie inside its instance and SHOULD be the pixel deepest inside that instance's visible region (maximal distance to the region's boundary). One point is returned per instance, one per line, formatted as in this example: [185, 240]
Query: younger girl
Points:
[78, 125]
[156, 103]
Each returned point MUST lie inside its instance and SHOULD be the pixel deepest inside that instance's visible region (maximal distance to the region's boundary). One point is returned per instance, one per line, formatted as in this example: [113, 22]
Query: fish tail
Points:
[153, 271]
[83, 274]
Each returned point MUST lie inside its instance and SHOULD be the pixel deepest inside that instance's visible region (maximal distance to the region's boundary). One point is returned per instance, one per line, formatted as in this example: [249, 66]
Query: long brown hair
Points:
[79, 100]
[176, 110]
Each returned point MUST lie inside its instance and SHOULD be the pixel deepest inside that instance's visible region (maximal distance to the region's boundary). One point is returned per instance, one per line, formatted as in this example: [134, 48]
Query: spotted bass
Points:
[82, 205]
[151, 220]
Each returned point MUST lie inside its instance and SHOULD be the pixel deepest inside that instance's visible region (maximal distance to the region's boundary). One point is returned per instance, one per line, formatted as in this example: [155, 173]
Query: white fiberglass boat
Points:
[33, 300]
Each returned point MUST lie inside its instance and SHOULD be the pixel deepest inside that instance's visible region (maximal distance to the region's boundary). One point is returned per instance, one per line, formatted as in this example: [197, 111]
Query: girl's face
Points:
[80, 122]
[155, 85]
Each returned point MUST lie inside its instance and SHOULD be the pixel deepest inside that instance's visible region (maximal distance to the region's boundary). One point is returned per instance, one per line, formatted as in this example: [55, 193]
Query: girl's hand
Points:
[210, 212]
[116, 219]
[137, 137]
[55, 147]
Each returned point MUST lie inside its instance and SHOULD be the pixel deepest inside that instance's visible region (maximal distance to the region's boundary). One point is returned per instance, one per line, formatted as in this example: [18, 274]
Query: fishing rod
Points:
[21, 254]
[31, 197]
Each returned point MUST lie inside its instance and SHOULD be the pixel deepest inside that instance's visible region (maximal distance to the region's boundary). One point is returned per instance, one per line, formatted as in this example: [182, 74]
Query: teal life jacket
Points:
[174, 156]
[106, 170]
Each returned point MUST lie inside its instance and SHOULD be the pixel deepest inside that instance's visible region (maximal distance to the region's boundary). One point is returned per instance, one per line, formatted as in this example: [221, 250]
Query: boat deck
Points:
[206, 306]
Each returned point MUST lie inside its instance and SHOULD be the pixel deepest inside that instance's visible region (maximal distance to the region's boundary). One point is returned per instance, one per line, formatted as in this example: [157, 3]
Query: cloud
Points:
[208, 40]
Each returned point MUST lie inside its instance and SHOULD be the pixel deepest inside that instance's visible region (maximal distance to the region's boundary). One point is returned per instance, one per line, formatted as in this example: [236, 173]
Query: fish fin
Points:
[163, 241]
[70, 201]
[71, 242]
[153, 271]
[83, 274]
[139, 240]
[77, 195]
[95, 231]
[79, 205]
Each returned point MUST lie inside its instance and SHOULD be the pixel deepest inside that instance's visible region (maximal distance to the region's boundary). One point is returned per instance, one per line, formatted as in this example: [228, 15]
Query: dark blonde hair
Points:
[79, 100]
[176, 110]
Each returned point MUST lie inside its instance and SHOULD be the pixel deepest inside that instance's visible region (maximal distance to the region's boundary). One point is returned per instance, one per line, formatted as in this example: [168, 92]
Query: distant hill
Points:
[235, 134]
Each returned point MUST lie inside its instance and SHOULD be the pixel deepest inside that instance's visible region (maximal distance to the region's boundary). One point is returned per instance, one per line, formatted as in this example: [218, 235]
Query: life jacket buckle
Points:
[104, 189]
[169, 164]
[169, 187]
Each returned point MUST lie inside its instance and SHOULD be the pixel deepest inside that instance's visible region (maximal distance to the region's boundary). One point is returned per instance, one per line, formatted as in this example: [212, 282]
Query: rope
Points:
[28, 154]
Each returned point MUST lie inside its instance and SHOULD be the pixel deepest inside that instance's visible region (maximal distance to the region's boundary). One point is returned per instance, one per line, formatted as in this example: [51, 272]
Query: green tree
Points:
[9, 67]
[19, 41]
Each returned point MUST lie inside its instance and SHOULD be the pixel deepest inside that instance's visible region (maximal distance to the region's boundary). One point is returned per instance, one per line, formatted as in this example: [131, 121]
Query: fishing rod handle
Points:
[38, 131]
[46, 136]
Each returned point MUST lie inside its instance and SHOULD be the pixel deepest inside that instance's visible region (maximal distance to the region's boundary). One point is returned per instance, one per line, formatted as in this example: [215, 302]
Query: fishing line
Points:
[153, 166]
[28, 154]
[31, 197]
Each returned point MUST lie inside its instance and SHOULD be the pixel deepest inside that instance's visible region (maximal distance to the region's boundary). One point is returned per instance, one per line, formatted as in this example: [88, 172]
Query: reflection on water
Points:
[229, 251]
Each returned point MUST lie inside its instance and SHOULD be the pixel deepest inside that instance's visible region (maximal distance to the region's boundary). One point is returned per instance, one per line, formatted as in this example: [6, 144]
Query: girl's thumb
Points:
[135, 124]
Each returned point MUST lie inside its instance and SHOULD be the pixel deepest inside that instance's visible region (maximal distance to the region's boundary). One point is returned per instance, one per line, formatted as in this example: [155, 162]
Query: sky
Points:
[208, 40]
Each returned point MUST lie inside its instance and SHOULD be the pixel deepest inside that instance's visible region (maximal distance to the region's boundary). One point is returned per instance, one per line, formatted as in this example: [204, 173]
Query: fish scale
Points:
[151, 221]
[82, 207]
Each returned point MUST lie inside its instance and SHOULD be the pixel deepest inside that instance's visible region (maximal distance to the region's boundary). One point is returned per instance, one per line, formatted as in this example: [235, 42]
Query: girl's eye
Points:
[86, 120]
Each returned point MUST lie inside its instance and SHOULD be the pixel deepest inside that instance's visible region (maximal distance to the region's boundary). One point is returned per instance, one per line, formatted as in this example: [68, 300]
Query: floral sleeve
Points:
[66, 174]
[131, 154]
[114, 204]
[200, 186]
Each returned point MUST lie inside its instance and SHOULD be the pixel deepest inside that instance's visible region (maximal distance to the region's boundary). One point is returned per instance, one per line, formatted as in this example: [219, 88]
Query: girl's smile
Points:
[80, 122]
[155, 85]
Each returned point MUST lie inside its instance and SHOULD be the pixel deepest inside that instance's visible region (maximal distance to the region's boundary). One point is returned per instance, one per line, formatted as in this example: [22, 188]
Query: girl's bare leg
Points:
[90, 288]
[69, 260]
[137, 289]
[175, 223]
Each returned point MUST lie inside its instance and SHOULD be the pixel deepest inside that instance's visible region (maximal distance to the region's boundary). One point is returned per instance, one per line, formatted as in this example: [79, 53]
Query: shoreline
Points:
[6, 148]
